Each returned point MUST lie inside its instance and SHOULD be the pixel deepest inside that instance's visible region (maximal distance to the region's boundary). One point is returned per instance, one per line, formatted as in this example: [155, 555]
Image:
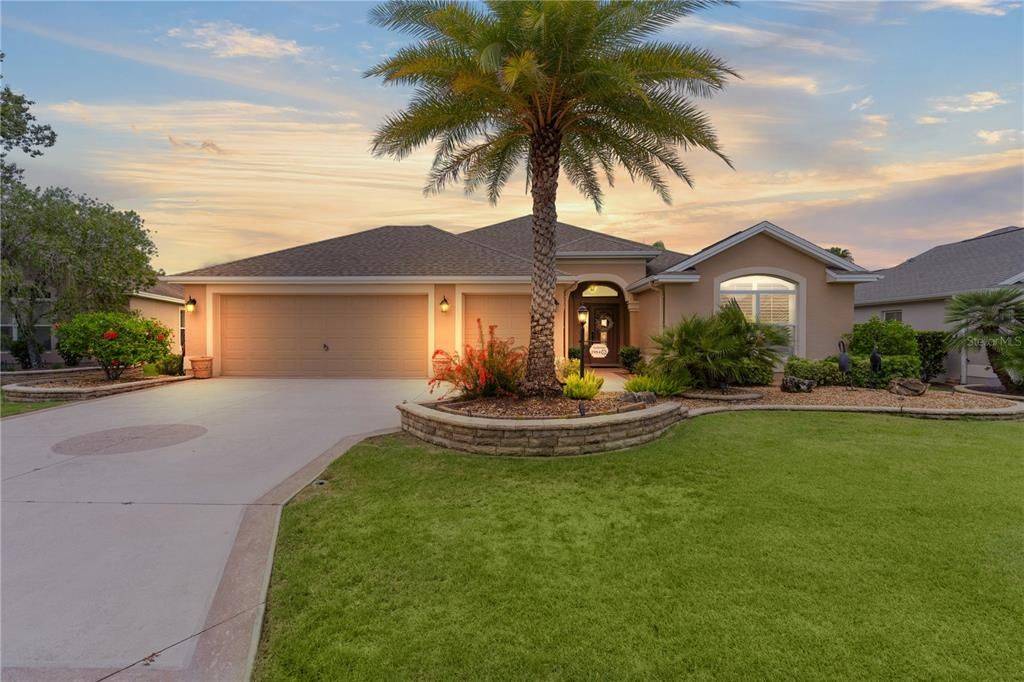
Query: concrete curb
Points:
[970, 391]
[990, 413]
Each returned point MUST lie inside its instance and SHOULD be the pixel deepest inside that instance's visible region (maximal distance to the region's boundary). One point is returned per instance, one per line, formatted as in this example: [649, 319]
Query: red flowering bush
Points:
[117, 341]
[496, 368]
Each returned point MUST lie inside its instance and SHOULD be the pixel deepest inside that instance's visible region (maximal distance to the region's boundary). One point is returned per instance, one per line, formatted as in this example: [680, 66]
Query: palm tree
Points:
[841, 252]
[988, 318]
[573, 86]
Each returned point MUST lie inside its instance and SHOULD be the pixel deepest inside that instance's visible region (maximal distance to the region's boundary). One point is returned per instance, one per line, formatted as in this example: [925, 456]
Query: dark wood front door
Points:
[604, 332]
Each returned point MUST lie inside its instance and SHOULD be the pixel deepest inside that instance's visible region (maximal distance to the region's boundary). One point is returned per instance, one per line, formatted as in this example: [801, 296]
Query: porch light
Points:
[445, 306]
[190, 305]
[582, 314]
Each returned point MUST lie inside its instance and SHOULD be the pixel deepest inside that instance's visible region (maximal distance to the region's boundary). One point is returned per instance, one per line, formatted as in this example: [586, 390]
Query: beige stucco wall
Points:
[163, 311]
[828, 308]
[195, 322]
[621, 271]
[645, 320]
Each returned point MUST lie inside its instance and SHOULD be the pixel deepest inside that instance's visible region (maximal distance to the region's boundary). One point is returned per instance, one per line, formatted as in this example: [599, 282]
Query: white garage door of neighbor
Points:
[324, 336]
[511, 312]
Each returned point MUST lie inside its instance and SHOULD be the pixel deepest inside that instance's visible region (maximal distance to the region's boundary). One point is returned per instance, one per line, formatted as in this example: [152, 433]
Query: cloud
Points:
[983, 100]
[997, 136]
[862, 104]
[225, 39]
[205, 146]
[873, 127]
[929, 120]
[365, 46]
[756, 37]
[235, 74]
[770, 80]
[995, 8]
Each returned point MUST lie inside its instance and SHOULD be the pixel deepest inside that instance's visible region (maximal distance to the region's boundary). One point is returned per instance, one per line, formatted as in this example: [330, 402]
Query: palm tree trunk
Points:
[995, 360]
[545, 156]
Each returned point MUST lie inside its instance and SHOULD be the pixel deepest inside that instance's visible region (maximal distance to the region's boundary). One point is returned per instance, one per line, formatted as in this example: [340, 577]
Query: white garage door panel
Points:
[367, 336]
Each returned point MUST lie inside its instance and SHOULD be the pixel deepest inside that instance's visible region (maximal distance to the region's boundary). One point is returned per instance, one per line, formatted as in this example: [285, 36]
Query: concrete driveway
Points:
[143, 523]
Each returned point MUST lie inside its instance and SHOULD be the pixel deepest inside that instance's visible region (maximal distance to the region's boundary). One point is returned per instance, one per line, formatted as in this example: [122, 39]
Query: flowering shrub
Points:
[116, 341]
[496, 368]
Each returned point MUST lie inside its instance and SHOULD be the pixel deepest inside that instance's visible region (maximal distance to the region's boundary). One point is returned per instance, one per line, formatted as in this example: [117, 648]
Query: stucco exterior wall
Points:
[828, 307]
[163, 311]
[195, 321]
[645, 320]
[621, 271]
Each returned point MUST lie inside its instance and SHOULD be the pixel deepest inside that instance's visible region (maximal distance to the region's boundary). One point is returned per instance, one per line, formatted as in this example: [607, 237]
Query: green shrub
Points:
[19, 351]
[629, 357]
[752, 373]
[70, 359]
[931, 348]
[661, 386]
[567, 367]
[724, 348]
[115, 340]
[1012, 357]
[826, 372]
[892, 338]
[172, 365]
[582, 389]
[574, 353]
[149, 370]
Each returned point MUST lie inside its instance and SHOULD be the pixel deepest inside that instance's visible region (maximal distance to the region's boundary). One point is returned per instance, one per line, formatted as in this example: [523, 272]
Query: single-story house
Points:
[916, 290]
[162, 301]
[378, 303]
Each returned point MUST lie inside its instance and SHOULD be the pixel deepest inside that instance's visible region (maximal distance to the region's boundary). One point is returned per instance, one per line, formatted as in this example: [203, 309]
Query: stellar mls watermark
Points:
[996, 343]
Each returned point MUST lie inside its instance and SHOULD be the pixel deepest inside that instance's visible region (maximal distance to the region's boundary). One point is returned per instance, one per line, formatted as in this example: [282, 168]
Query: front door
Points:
[604, 332]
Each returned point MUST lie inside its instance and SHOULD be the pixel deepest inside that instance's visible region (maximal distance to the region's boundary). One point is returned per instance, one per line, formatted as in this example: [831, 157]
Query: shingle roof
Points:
[664, 261]
[165, 289]
[516, 237]
[978, 263]
[389, 251]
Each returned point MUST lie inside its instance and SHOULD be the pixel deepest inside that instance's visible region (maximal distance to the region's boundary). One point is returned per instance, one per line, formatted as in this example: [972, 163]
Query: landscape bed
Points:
[83, 389]
[840, 396]
[796, 545]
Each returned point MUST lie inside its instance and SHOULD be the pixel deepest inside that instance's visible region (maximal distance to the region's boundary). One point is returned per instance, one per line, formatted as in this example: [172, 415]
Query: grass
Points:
[743, 546]
[9, 409]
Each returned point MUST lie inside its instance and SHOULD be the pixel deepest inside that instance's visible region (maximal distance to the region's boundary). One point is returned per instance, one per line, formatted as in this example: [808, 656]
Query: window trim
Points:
[800, 340]
[898, 312]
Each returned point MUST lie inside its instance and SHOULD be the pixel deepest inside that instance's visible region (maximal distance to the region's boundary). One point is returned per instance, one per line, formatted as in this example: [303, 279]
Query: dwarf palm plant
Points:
[577, 87]
[988, 318]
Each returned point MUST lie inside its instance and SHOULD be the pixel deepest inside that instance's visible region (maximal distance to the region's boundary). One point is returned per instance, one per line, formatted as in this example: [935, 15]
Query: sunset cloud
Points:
[929, 120]
[973, 102]
[225, 39]
[995, 8]
[759, 37]
[997, 136]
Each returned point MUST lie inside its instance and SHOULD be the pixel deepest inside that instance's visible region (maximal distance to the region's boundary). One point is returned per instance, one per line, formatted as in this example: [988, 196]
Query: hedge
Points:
[931, 347]
[826, 372]
[892, 338]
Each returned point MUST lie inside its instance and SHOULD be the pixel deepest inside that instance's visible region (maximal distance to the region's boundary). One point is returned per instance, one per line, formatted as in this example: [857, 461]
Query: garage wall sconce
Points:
[445, 306]
[190, 305]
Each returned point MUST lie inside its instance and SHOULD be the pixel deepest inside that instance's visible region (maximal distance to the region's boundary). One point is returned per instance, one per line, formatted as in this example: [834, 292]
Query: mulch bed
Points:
[91, 382]
[527, 408]
[860, 397]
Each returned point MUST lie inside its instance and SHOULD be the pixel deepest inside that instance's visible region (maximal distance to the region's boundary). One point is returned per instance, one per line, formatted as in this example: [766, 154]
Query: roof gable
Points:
[776, 232]
[516, 237]
[989, 260]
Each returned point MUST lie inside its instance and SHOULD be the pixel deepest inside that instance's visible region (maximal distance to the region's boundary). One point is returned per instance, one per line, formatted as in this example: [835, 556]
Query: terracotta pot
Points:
[202, 366]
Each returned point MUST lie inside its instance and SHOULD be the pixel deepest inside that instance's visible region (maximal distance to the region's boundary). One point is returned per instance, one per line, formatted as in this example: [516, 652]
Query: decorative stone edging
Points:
[986, 413]
[988, 394]
[70, 373]
[27, 393]
[722, 397]
[539, 437]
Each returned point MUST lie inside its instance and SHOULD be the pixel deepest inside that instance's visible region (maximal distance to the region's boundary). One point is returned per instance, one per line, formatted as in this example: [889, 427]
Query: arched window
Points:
[763, 298]
[600, 291]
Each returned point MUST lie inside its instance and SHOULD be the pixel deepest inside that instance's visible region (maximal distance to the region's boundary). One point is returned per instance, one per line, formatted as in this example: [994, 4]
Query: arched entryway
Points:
[607, 329]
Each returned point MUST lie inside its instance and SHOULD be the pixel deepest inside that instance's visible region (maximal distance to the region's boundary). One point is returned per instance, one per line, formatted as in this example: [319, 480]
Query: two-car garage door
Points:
[324, 336]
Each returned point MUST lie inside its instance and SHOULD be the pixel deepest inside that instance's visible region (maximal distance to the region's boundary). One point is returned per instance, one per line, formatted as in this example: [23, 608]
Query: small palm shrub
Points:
[115, 340]
[987, 319]
[661, 386]
[724, 348]
[496, 368]
[629, 358]
[582, 389]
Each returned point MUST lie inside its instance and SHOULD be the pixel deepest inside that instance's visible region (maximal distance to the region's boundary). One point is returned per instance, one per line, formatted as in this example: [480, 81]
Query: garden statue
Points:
[844, 365]
[876, 360]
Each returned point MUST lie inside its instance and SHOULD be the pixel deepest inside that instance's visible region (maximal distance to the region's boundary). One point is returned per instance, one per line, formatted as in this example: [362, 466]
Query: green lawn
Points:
[749, 546]
[9, 409]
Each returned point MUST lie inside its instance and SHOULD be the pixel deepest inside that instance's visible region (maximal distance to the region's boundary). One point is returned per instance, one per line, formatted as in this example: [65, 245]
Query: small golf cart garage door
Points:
[510, 312]
[324, 336]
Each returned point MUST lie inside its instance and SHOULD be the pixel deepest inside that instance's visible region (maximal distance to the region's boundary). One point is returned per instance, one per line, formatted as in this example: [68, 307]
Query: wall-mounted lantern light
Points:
[582, 313]
[190, 305]
[445, 306]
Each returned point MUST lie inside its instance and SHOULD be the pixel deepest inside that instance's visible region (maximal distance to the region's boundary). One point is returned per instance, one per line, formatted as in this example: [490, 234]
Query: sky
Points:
[235, 129]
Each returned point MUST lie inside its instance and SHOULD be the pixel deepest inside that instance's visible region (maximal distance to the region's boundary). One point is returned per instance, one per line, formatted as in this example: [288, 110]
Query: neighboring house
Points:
[916, 290]
[163, 301]
[378, 303]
